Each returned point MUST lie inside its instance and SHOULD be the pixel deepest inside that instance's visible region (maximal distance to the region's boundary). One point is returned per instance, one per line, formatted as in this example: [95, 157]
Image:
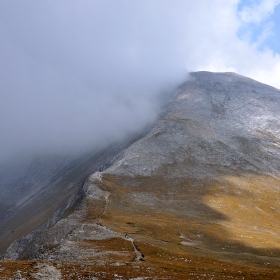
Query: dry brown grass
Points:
[159, 264]
[185, 229]
[252, 205]
[228, 220]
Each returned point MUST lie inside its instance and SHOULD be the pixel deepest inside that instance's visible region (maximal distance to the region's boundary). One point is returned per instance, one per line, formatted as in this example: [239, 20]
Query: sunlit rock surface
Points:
[217, 123]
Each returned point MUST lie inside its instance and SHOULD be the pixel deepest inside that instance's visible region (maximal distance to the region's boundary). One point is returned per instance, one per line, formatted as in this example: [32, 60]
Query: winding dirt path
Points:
[138, 255]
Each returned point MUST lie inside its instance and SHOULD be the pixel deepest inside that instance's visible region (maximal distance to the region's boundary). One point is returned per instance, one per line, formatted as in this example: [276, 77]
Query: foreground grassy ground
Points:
[158, 264]
[184, 229]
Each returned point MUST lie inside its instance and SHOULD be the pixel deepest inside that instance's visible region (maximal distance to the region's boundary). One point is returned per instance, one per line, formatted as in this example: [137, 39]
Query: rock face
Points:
[196, 197]
[218, 123]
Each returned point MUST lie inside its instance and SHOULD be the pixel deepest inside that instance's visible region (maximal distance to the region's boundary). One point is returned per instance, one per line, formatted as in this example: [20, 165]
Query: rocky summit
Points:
[195, 197]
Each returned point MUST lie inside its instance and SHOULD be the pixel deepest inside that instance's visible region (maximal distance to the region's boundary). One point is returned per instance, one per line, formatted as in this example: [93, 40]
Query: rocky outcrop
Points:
[65, 240]
[62, 190]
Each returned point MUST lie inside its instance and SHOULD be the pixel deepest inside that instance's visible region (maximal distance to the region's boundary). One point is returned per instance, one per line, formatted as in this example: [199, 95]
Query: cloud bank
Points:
[80, 73]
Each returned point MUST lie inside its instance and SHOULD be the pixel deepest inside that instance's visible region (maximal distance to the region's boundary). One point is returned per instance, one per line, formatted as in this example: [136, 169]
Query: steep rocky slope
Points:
[196, 198]
[38, 191]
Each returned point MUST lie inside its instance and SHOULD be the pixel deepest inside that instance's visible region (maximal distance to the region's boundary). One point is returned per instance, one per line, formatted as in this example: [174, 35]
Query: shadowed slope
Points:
[47, 201]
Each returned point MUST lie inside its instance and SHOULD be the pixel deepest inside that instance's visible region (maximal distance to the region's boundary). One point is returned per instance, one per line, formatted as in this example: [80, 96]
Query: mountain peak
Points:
[193, 195]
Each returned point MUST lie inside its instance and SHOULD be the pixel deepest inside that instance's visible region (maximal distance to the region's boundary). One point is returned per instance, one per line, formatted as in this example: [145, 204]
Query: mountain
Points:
[38, 191]
[193, 198]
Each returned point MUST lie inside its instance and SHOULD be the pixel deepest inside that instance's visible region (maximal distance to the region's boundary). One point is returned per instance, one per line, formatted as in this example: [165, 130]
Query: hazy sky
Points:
[77, 73]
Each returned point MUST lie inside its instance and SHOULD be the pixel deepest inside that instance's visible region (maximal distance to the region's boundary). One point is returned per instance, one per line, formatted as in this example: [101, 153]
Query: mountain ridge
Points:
[194, 196]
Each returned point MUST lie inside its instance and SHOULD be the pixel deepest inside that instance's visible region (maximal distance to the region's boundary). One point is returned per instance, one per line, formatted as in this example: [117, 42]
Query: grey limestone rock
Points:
[217, 122]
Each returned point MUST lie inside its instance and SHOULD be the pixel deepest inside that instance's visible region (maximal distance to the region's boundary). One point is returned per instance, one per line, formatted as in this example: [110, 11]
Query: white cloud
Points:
[220, 49]
[75, 73]
[258, 12]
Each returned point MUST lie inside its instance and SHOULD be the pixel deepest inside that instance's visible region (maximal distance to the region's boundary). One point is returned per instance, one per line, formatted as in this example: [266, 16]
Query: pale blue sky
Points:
[274, 40]
[269, 24]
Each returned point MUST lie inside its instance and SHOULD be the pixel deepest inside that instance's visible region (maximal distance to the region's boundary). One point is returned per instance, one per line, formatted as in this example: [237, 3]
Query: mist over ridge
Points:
[77, 74]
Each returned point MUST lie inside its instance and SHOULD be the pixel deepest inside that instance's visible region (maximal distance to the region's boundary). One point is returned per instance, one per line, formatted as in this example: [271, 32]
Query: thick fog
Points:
[79, 73]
